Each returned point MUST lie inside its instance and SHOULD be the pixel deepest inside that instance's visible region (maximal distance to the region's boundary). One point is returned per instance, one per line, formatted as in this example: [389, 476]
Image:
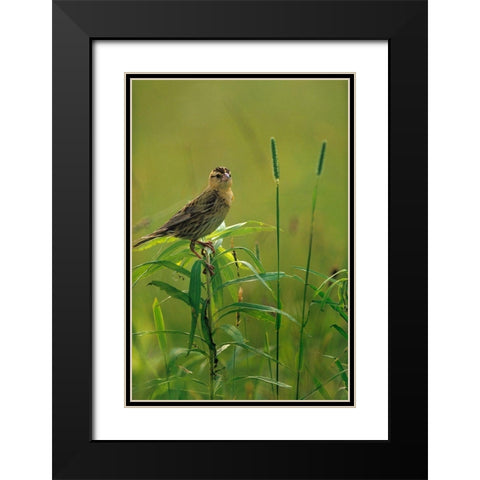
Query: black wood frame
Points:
[76, 24]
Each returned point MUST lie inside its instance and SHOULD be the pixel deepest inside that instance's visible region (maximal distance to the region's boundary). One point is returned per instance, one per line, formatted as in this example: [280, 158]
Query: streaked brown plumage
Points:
[202, 215]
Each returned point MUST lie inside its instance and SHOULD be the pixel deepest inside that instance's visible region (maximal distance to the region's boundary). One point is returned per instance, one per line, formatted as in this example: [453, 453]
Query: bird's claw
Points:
[209, 245]
[210, 268]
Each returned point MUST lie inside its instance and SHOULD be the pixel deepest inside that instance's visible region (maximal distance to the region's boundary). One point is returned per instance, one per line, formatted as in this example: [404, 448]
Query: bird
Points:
[200, 216]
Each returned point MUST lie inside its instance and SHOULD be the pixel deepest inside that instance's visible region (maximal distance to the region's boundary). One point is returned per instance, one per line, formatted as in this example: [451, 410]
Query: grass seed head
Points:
[276, 168]
[320, 160]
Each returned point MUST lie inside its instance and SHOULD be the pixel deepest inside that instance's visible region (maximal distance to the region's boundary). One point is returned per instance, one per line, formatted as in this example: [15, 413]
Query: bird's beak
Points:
[226, 176]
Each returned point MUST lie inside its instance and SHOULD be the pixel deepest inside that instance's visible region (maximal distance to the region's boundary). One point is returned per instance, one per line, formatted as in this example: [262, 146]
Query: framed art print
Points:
[247, 181]
[230, 289]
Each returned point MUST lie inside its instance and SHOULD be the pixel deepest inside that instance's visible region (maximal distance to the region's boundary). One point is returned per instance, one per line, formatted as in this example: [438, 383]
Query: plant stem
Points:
[305, 287]
[211, 345]
[276, 176]
[278, 318]
[307, 272]
[267, 351]
[234, 386]
[237, 322]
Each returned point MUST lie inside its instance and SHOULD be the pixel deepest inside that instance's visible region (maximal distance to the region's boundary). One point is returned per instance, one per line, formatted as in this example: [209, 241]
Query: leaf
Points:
[262, 379]
[227, 272]
[138, 272]
[156, 264]
[335, 284]
[334, 306]
[238, 340]
[340, 330]
[342, 372]
[167, 254]
[145, 269]
[266, 277]
[249, 252]
[300, 279]
[165, 332]
[330, 279]
[343, 294]
[171, 291]
[195, 287]
[159, 325]
[244, 228]
[217, 281]
[182, 352]
[223, 348]
[255, 310]
[162, 381]
[153, 242]
[267, 351]
[195, 292]
[320, 386]
[234, 332]
[303, 269]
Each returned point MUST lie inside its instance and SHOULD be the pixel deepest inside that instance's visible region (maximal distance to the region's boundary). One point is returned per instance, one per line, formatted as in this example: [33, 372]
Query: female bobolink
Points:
[202, 215]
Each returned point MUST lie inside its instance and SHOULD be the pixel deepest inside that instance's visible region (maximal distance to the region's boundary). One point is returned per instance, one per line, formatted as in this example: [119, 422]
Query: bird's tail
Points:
[151, 236]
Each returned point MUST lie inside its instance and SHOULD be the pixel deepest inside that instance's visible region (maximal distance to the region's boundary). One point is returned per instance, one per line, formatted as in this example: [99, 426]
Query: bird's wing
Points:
[178, 218]
[200, 205]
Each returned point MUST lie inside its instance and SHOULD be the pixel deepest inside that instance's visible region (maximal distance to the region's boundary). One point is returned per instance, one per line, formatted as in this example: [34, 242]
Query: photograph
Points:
[239, 239]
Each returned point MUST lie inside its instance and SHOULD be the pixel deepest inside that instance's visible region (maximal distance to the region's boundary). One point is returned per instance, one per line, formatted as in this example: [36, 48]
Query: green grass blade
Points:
[195, 287]
[162, 339]
[267, 351]
[162, 381]
[227, 272]
[146, 269]
[156, 264]
[330, 288]
[217, 289]
[330, 279]
[332, 305]
[271, 381]
[171, 291]
[262, 277]
[263, 311]
[154, 242]
[224, 347]
[252, 269]
[173, 250]
[323, 275]
[233, 332]
[340, 330]
[240, 341]
[159, 325]
[165, 332]
[252, 255]
[342, 371]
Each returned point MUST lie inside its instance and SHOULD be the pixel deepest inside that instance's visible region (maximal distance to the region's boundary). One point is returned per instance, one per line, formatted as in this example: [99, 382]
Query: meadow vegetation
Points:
[272, 322]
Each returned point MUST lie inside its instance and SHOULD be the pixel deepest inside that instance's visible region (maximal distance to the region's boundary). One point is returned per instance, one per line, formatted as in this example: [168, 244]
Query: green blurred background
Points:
[181, 130]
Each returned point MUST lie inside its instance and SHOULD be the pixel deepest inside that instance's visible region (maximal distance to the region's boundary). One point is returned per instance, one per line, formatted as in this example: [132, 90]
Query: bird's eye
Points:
[218, 175]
